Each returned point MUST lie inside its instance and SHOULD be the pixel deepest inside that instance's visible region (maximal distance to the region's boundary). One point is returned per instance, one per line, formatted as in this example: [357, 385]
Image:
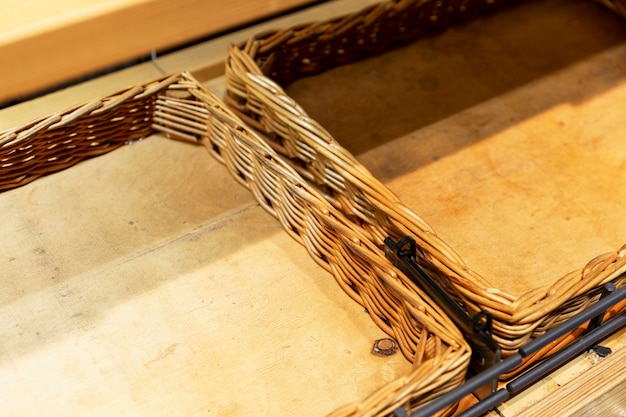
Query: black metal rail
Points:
[403, 255]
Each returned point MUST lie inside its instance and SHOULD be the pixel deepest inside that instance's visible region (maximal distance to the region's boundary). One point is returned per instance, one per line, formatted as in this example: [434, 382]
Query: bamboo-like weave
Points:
[255, 70]
[321, 195]
[59, 141]
[181, 108]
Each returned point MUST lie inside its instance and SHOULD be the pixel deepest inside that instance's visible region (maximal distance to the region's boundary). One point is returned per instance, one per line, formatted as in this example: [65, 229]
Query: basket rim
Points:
[248, 83]
[448, 362]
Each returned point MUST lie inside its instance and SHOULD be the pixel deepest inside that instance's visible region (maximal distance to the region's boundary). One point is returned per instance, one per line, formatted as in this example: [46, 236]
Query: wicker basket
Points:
[319, 192]
[182, 109]
[257, 68]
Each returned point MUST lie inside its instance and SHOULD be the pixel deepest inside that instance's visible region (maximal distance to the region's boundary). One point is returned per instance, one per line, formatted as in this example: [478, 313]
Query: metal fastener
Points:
[385, 347]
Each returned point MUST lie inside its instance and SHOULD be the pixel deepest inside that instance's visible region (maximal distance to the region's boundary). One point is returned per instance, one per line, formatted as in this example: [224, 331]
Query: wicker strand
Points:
[425, 335]
[317, 190]
[262, 103]
[58, 142]
[182, 109]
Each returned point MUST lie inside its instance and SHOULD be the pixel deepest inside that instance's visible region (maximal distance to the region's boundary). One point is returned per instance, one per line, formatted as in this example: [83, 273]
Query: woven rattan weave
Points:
[255, 71]
[181, 108]
[324, 198]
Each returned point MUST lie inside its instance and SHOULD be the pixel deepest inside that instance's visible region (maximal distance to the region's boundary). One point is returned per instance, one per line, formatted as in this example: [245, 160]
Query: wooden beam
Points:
[48, 43]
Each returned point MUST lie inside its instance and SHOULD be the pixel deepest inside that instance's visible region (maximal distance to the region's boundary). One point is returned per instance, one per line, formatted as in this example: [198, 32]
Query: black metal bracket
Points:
[486, 353]
[403, 254]
[476, 330]
[596, 322]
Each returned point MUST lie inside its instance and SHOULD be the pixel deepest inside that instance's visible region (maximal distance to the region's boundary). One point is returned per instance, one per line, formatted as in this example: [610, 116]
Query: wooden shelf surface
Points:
[137, 285]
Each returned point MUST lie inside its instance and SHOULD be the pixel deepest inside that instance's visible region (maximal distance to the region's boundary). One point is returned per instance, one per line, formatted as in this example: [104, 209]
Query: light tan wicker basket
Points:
[182, 109]
[257, 68]
[324, 198]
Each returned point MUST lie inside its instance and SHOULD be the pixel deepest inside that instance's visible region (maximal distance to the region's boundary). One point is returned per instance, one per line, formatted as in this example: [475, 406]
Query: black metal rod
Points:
[572, 323]
[486, 404]
[468, 386]
[609, 289]
[567, 353]
[400, 412]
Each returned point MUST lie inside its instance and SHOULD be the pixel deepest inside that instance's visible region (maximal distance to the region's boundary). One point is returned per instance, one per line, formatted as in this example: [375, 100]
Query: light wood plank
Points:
[44, 43]
[205, 61]
[147, 282]
[586, 386]
[510, 146]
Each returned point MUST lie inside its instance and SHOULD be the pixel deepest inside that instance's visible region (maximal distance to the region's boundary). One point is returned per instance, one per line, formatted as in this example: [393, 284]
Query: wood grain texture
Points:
[526, 205]
[123, 326]
[45, 43]
[206, 60]
[147, 282]
[24, 112]
[508, 144]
